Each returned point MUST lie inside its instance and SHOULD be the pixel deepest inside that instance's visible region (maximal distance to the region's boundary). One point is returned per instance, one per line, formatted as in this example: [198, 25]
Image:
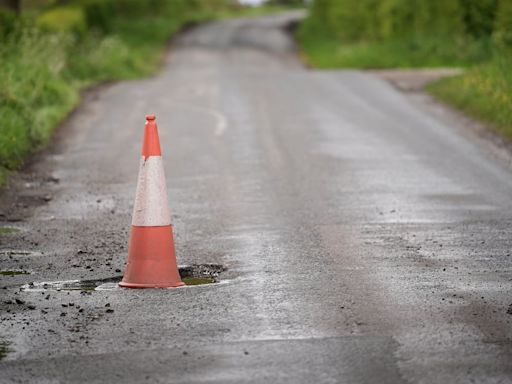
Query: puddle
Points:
[70, 285]
[7, 230]
[191, 275]
[198, 280]
[4, 349]
[14, 273]
[18, 252]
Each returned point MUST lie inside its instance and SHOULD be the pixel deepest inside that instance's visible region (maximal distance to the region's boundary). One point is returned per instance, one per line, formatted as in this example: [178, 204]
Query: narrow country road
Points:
[365, 240]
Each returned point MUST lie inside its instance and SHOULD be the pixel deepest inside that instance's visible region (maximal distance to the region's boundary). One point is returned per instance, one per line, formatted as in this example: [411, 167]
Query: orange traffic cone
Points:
[151, 254]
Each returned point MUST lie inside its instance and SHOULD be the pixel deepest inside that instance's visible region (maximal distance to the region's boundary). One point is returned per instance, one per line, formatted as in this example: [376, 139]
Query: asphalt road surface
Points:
[367, 240]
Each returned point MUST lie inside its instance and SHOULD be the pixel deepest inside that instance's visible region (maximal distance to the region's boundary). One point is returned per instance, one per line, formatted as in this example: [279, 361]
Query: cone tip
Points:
[150, 117]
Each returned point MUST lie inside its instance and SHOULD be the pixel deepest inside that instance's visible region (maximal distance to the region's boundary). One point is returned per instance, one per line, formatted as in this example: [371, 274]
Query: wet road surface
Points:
[366, 239]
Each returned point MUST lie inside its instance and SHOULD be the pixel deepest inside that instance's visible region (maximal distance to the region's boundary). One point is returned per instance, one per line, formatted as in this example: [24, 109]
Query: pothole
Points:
[14, 272]
[199, 274]
[70, 285]
[191, 275]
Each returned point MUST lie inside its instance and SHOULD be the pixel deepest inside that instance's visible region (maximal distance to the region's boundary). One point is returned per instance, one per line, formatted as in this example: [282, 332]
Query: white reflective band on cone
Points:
[151, 207]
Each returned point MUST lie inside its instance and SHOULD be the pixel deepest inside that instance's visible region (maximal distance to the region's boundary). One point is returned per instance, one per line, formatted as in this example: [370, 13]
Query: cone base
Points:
[151, 259]
[133, 285]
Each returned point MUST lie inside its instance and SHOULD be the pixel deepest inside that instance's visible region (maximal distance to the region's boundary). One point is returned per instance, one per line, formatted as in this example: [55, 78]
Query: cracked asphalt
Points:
[367, 234]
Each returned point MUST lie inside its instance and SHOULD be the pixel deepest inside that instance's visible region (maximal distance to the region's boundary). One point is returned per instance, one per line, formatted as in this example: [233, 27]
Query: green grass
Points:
[483, 92]
[326, 52]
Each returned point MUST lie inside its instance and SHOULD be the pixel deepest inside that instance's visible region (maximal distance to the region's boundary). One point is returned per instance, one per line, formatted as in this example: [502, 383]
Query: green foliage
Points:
[373, 20]
[7, 22]
[381, 33]
[33, 94]
[62, 20]
[503, 25]
[98, 14]
[484, 92]
[388, 33]
[479, 17]
[406, 53]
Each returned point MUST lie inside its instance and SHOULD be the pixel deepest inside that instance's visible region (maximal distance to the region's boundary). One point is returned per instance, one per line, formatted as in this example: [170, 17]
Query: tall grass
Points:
[484, 92]
[397, 33]
[328, 52]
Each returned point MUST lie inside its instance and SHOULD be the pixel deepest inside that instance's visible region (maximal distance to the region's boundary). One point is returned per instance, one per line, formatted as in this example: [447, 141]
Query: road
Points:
[367, 240]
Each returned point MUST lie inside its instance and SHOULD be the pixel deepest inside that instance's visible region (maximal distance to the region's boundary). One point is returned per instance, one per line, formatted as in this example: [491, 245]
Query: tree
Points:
[13, 5]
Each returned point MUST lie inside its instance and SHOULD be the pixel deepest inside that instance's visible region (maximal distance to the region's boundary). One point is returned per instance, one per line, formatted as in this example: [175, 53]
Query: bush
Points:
[479, 16]
[99, 14]
[7, 22]
[63, 20]
[377, 33]
[503, 25]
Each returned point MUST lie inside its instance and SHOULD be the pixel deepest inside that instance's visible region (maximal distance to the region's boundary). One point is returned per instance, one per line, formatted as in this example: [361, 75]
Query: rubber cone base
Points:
[151, 259]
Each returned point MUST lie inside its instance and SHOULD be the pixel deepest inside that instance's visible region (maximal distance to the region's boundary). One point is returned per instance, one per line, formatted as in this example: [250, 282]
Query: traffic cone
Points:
[151, 254]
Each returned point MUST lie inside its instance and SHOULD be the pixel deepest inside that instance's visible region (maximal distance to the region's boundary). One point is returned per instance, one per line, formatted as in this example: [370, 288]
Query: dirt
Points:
[415, 80]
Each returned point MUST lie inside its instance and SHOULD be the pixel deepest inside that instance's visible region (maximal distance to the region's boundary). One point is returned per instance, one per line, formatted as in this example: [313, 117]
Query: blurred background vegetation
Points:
[474, 34]
[50, 50]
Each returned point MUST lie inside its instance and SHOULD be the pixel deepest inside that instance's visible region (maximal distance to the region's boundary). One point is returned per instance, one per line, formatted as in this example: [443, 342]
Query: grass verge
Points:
[483, 92]
[326, 52]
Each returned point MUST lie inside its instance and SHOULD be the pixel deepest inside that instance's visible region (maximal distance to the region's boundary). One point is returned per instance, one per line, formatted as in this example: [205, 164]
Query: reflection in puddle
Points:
[18, 252]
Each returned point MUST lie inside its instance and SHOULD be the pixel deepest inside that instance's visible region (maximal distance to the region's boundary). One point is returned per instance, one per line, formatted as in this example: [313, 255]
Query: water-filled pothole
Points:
[70, 285]
[4, 349]
[14, 272]
[7, 230]
[198, 280]
[18, 252]
[191, 275]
